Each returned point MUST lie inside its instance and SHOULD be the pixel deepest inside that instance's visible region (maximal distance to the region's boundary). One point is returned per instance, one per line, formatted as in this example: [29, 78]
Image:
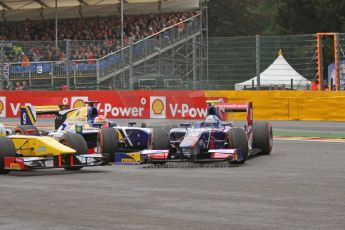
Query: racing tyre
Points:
[159, 139]
[27, 130]
[263, 137]
[6, 150]
[237, 138]
[108, 142]
[76, 142]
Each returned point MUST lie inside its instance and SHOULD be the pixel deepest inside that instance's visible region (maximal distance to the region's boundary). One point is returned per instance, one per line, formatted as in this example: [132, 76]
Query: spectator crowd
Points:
[91, 38]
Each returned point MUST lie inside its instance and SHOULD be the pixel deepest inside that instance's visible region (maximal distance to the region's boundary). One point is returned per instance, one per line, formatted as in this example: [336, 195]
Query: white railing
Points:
[122, 59]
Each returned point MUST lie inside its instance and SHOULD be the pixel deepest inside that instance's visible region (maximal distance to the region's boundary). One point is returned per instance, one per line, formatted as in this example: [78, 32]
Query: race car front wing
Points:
[60, 161]
[215, 155]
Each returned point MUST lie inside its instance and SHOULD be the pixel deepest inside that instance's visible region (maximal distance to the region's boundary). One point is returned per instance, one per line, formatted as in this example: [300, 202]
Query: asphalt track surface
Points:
[301, 185]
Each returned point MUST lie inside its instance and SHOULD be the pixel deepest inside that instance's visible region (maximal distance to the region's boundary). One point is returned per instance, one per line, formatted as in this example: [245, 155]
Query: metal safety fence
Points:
[341, 67]
[239, 59]
[176, 58]
[69, 64]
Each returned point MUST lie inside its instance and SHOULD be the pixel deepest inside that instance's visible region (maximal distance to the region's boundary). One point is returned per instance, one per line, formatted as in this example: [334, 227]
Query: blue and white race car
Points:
[211, 139]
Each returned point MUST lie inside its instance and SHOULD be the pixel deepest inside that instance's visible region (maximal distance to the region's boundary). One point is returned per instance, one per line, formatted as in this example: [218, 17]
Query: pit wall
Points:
[166, 104]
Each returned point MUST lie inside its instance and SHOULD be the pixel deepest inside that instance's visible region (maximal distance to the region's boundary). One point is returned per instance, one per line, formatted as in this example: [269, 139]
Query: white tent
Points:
[279, 74]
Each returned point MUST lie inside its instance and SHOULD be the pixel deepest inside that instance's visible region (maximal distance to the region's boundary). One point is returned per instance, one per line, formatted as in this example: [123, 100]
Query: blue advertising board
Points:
[331, 74]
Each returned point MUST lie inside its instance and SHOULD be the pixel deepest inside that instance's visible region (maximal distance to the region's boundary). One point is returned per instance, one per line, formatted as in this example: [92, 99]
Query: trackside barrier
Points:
[188, 104]
[114, 104]
[289, 105]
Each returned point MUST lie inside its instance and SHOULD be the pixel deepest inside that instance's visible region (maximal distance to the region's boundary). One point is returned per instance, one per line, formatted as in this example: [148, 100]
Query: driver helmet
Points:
[211, 121]
[2, 130]
[101, 120]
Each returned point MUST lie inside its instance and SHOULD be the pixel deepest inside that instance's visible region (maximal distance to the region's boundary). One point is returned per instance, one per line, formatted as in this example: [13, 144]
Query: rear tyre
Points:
[237, 139]
[27, 130]
[7, 149]
[76, 142]
[108, 142]
[263, 137]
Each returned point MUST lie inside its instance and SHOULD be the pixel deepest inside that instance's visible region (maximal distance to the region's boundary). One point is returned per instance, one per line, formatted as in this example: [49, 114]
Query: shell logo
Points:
[79, 103]
[157, 106]
[1, 107]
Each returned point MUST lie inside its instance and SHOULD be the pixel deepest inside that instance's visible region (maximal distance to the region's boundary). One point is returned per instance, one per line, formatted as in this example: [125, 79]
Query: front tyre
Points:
[76, 142]
[237, 139]
[159, 140]
[108, 142]
[7, 149]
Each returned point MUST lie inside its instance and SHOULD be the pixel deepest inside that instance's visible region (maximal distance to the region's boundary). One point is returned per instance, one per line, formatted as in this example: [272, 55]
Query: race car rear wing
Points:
[218, 109]
[28, 113]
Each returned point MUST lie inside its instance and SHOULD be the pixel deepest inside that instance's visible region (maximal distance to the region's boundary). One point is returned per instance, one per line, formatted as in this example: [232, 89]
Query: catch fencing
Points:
[171, 59]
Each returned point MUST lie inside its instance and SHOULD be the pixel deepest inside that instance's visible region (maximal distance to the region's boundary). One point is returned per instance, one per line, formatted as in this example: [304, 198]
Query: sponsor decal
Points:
[116, 104]
[15, 166]
[157, 107]
[2, 106]
[109, 110]
[14, 163]
[127, 160]
[6, 70]
[187, 111]
[78, 102]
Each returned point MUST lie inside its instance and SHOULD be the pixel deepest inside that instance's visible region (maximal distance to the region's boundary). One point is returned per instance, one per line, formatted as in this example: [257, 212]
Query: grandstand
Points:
[165, 46]
[88, 53]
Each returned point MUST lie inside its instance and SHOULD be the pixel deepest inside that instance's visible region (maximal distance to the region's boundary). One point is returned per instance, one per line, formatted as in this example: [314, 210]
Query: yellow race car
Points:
[100, 134]
[23, 152]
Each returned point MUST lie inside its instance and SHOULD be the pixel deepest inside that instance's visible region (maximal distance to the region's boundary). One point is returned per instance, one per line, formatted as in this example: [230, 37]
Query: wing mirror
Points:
[112, 124]
[132, 123]
[225, 124]
[9, 132]
[185, 125]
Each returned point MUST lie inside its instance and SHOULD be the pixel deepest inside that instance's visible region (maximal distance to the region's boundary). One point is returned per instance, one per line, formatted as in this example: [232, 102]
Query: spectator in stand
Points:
[9, 85]
[18, 51]
[25, 62]
[61, 56]
[36, 54]
[180, 28]
[56, 55]
[24, 86]
[106, 29]
[18, 86]
[90, 58]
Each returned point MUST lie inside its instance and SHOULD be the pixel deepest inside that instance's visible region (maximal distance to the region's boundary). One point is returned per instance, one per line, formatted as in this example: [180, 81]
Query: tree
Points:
[302, 16]
[233, 18]
[275, 17]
